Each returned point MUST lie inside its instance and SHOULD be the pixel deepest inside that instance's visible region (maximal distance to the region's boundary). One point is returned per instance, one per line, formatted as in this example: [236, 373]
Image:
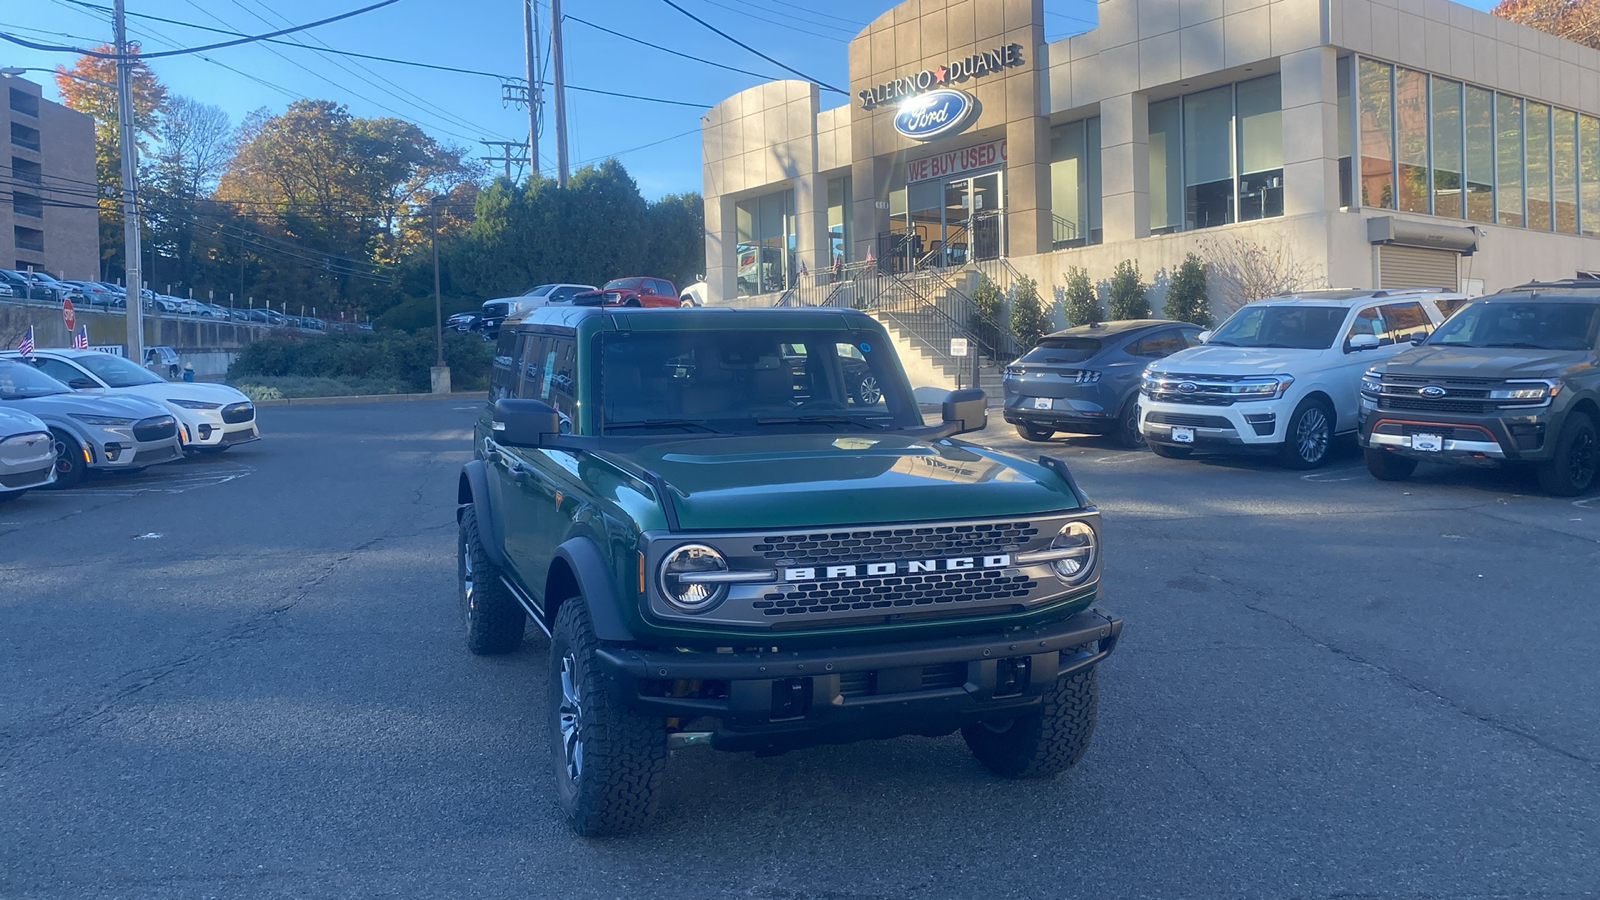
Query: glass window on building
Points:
[1508, 155]
[1536, 127]
[1411, 140]
[1376, 97]
[1075, 183]
[1207, 169]
[1447, 137]
[1564, 169]
[1260, 142]
[1342, 76]
[1478, 158]
[1166, 167]
[766, 243]
[1589, 174]
[839, 225]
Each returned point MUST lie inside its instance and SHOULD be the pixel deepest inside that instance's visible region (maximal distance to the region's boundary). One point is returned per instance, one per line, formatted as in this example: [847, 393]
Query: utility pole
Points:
[530, 40]
[508, 154]
[130, 197]
[440, 376]
[561, 92]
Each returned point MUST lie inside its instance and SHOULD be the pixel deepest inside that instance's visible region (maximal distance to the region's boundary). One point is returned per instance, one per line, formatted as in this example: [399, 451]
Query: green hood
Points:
[807, 480]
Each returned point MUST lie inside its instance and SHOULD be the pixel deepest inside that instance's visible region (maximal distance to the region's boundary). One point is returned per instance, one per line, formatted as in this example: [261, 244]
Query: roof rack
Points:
[1584, 281]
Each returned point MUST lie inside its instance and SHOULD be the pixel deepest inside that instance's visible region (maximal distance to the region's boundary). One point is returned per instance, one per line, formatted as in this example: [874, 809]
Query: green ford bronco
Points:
[730, 543]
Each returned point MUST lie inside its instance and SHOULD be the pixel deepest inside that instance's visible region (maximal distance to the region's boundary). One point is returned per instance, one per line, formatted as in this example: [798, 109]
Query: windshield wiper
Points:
[1216, 343]
[1519, 345]
[663, 423]
[826, 420]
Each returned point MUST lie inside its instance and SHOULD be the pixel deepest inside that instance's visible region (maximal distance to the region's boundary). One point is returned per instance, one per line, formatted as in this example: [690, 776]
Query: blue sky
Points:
[486, 35]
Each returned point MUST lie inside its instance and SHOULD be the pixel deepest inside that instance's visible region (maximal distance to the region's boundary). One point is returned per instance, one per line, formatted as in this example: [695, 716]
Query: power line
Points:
[740, 43]
[745, 12]
[654, 46]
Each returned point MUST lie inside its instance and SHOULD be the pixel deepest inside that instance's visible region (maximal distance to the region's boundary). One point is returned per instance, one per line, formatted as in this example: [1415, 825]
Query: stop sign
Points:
[67, 314]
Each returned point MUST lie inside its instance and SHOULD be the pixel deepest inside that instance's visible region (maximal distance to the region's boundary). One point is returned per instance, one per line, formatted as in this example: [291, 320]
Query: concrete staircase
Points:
[930, 366]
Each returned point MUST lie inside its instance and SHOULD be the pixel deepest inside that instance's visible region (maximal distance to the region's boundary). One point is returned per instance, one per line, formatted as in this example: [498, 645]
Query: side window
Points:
[662, 288]
[530, 367]
[560, 388]
[1191, 337]
[1158, 345]
[503, 373]
[1406, 319]
[1370, 321]
[58, 370]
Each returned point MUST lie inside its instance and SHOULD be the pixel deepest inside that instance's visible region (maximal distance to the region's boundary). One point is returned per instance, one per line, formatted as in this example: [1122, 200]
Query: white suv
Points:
[1281, 374]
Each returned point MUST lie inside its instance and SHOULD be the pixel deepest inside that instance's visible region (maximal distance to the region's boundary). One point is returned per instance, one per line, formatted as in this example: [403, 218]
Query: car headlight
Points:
[1079, 538]
[688, 578]
[101, 420]
[1264, 389]
[195, 404]
[1527, 391]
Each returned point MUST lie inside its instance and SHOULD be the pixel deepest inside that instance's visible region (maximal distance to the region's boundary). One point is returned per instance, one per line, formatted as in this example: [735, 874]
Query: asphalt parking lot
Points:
[243, 676]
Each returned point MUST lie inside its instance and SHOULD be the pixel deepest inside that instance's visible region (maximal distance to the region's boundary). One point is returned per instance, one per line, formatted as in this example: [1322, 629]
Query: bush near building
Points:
[1028, 319]
[365, 362]
[1186, 296]
[988, 311]
[1126, 296]
[1079, 301]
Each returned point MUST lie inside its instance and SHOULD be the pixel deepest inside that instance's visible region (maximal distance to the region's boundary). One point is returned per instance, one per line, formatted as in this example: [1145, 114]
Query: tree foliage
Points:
[1028, 319]
[1243, 271]
[1573, 20]
[1126, 295]
[1186, 295]
[1078, 301]
[983, 321]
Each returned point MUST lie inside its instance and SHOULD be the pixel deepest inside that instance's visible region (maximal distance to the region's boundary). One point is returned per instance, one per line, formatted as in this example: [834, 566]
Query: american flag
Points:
[80, 340]
[26, 346]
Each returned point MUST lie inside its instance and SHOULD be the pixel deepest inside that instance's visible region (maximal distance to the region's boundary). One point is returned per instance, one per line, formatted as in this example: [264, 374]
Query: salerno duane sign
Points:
[955, 72]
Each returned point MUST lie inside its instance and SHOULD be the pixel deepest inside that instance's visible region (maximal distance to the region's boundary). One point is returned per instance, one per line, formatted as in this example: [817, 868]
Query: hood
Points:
[809, 480]
[202, 391]
[1486, 362]
[62, 406]
[1204, 360]
[14, 420]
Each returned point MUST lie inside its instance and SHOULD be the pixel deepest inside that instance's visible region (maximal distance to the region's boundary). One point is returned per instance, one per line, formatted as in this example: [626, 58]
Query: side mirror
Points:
[524, 423]
[1417, 338]
[1358, 342]
[967, 409]
[82, 384]
[1203, 336]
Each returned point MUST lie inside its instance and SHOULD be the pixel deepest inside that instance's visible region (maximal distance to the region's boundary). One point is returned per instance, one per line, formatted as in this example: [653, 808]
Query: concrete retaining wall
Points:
[210, 346]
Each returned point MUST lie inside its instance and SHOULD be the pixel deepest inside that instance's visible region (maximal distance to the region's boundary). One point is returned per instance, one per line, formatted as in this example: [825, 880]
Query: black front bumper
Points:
[1513, 436]
[768, 701]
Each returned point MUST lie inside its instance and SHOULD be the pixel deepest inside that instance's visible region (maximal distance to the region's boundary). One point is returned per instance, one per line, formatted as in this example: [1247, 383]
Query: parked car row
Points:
[1513, 378]
[64, 413]
[636, 290]
[20, 285]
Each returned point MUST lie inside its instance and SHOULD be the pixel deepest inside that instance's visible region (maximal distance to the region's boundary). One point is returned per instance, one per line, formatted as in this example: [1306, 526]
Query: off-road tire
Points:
[1168, 451]
[1386, 466]
[70, 467]
[494, 619]
[1127, 430]
[623, 753]
[1037, 435]
[1571, 471]
[1308, 440]
[1043, 743]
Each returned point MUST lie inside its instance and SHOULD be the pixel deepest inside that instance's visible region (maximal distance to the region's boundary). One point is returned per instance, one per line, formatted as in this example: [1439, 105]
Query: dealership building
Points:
[1378, 143]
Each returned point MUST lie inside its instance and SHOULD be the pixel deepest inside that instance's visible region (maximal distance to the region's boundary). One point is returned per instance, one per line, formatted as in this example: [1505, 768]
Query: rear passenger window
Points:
[560, 389]
[1159, 345]
[1370, 321]
[1406, 319]
[530, 369]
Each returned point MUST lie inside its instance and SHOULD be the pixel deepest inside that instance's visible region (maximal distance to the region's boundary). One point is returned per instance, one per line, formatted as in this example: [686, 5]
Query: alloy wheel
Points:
[467, 594]
[1581, 461]
[1311, 434]
[571, 717]
[1130, 425]
[868, 393]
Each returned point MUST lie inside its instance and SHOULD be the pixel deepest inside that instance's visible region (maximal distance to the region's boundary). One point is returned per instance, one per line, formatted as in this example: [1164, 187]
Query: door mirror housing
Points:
[1203, 336]
[1359, 342]
[967, 410]
[82, 384]
[525, 423]
[1417, 338]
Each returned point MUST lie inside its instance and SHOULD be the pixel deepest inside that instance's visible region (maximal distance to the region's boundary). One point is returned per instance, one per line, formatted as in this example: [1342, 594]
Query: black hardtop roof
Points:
[1112, 329]
[572, 316]
[1584, 287]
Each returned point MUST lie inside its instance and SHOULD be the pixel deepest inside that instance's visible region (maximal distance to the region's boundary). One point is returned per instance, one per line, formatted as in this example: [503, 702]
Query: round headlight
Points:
[679, 583]
[1080, 538]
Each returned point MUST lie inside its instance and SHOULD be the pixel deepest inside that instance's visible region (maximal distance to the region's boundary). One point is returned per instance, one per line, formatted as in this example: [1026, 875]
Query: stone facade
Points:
[47, 206]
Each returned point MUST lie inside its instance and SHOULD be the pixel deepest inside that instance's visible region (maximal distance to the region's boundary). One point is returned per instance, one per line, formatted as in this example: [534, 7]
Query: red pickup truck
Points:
[635, 291]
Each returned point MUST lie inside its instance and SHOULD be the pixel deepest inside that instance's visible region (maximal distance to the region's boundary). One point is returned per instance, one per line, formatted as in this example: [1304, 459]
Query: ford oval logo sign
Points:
[1187, 387]
[936, 114]
[1433, 392]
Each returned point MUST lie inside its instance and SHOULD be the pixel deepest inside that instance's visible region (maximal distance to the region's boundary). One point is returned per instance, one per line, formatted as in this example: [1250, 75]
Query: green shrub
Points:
[282, 387]
[1186, 296]
[388, 357]
[1082, 308]
[983, 323]
[1028, 319]
[1126, 297]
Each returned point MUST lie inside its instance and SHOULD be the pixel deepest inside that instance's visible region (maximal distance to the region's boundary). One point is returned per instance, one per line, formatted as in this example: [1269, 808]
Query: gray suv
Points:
[1510, 378]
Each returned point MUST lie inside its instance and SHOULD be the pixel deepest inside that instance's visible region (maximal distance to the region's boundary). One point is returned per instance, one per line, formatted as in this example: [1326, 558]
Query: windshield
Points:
[116, 371]
[1537, 326]
[750, 382]
[1062, 350]
[622, 284]
[1294, 327]
[19, 381]
[540, 291]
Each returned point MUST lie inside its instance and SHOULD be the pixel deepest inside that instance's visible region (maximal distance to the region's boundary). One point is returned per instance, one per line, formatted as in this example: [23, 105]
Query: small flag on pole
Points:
[26, 345]
[80, 340]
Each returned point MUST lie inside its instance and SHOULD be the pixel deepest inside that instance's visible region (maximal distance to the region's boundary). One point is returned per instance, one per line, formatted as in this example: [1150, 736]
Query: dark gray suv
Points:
[1086, 379]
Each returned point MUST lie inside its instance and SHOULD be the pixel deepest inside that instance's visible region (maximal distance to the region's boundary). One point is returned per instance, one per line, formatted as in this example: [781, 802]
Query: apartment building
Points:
[47, 185]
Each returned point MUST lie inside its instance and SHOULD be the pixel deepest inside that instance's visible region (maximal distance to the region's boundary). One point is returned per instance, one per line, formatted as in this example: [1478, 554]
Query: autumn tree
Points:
[1573, 20]
[1243, 271]
[89, 86]
[196, 143]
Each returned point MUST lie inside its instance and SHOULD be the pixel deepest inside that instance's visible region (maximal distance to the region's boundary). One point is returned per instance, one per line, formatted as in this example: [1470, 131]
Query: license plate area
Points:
[1182, 435]
[1427, 443]
[1043, 403]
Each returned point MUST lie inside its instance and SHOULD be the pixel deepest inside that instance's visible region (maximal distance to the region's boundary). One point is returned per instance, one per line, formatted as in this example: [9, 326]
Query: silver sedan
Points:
[27, 453]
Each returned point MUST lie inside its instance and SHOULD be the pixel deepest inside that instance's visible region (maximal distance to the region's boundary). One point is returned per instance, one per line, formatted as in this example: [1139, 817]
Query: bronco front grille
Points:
[896, 593]
[891, 544]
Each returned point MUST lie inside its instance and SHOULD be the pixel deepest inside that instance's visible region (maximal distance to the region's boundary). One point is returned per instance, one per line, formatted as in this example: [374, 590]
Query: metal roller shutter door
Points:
[1414, 267]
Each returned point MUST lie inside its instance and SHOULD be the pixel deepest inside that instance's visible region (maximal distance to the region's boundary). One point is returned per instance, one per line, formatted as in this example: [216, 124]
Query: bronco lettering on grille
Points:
[878, 569]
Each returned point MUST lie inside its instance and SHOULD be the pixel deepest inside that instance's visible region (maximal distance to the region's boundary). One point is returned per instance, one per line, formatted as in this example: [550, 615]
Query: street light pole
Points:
[130, 197]
[440, 377]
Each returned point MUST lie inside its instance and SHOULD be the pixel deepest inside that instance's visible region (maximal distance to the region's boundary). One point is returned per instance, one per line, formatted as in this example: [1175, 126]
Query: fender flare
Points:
[473, 490]
[589, 567]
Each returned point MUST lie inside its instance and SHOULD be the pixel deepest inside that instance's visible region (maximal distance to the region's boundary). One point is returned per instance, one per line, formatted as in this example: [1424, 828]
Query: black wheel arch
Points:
[580, 569]
[473, 490]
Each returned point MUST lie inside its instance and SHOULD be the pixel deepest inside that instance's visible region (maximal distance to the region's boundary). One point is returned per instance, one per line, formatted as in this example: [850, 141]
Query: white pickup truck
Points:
[1281, 374]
